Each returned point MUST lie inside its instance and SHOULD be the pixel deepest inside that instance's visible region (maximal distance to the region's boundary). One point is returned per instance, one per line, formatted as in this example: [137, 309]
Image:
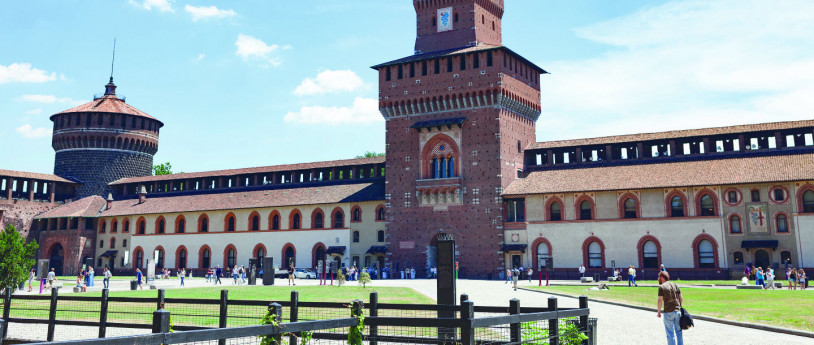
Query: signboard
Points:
[444, 19]
[756, 217]
[406, 244]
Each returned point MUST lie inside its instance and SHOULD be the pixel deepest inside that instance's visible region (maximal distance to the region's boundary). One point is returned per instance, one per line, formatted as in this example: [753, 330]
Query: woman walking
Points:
[30, 279]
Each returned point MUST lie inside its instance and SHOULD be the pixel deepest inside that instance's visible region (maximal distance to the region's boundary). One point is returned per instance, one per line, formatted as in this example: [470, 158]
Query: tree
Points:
[340, 277]
[364, 278]
[164, 169]
[369, 154]
[17, 256]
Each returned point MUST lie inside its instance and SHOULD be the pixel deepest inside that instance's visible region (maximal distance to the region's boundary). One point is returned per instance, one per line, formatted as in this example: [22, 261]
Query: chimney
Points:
[109, 201]
[142, 195]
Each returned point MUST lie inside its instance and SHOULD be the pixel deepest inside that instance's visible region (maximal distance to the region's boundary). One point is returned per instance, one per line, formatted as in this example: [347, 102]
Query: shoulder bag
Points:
[685, 321]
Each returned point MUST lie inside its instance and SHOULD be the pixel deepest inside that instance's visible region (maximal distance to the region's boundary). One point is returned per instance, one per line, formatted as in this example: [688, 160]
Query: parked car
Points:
[305, 273]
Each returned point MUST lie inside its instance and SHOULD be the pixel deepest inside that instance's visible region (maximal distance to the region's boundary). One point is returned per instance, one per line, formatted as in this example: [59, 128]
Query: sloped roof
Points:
[34, 176]
[86, 207]
[772, 126]
[315, 195]
[107, 104]
[664, 175]
[256, 170]
[458, 51]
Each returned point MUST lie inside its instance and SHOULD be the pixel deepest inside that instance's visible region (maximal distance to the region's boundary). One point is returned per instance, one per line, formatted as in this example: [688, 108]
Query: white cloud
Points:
[200, 57]
[49, 99]
[363, 110]
[161, 5]
[24, 73]
[250, 48]
[686, 65]
[29, 132]
[211, 12]
[34, 111]
[330, 81]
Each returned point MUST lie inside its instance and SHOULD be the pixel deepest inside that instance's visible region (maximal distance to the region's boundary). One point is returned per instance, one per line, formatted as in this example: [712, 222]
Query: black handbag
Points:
[685, 321]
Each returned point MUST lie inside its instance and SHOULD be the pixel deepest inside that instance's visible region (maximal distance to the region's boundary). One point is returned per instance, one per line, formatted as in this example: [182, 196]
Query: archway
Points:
[762, 258]
[289, 258]
[56, 259]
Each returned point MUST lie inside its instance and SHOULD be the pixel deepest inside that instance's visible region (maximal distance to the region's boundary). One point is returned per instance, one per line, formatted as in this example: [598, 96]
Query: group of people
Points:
[515, 273]
[765, 277]
[796, 277]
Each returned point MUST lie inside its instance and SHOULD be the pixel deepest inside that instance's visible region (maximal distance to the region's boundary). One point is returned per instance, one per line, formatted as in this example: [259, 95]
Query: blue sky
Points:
[252, 83]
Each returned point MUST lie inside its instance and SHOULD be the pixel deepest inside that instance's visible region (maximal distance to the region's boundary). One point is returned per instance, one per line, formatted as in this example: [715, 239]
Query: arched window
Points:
[380, 213]
[355, 237]
[630, 208]
[260, 253]
[254, 222]
[160, 226]
[319, 220]
[180, 225]
[735, 224]
[230, 222]
[451, 167]
[356, 214]
[182, 258]
[707, 206]
[206, 258]
[808, 201]
[555, 212]
[585, 211]
[295, 221]
[289, 256]
[102, 227]
[339, 219]
[594, 255]
[706, 254]
[436, 169]
[114, 226]
[159, 263]
[785, 258]
[650, 255]
[139, 258]
[275, 221]
[125, 226]
[738, 257]
[380, 236]
[231, 257]
[542, 252]
[141, 226]
[676, 207]
[782, 223]
[113, 243]
[203, 223]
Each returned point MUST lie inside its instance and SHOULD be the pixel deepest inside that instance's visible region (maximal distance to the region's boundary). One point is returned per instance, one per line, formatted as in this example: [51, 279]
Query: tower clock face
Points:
[445, 19]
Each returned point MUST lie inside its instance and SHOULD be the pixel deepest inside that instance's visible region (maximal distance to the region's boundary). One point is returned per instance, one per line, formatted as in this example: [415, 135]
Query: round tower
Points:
[102, 141]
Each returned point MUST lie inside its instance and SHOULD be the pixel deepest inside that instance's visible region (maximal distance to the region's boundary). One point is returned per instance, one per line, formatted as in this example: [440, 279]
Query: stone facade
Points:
[96, 168]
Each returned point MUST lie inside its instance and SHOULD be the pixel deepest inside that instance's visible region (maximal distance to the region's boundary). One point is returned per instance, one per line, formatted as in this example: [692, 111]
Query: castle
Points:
[462, 159]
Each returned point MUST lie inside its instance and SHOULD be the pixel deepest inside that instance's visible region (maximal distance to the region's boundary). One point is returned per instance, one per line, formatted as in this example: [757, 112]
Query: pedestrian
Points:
[91, 275]
[529, 274]
[670, 298]
[242, 274]
[631, 276]
[183, 274]
[759, 277]
[515, 277]
[30, 279]
[218, 273]
[291, 275]
[581, 271]
[662, 269]
[106, 280]
[508, 275]
[139, 276]
[769, 275]
[51, 277]
[801, 279]
[747, 271]
[793, 279]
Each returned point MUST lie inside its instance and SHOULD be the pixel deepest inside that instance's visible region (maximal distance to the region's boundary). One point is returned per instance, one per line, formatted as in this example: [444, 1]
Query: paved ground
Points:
[617, 325]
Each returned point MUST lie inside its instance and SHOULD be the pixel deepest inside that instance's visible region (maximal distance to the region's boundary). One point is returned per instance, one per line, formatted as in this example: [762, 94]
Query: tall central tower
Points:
[459, 114]
[102, 141]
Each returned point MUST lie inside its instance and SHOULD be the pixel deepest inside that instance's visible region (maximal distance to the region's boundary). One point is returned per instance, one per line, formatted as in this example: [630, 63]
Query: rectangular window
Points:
[789, 141]
[779, 195]
[515, 210]
[755, 195]
[387, 73]
[489, 58]
[733, 197]
[437, 66]
[463, 62]
[449, 65]
[412, 70]
[424, 67]
[400, 72]
[476, 60]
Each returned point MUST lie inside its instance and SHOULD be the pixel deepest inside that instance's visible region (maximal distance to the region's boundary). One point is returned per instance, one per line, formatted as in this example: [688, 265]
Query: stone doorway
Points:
[762, 259]
[57, 258]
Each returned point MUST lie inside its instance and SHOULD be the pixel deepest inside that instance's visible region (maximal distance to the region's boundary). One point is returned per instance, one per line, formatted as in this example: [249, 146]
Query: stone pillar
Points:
[780, 140]
[9, 184]
[550, 156]
[51, 192]
[578, 158]
[639, 150]
[706, 146]
[673, 151]
[31, 190]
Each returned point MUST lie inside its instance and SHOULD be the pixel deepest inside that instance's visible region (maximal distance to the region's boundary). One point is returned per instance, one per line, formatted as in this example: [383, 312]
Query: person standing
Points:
[139, 276]
[769, 278]
[183, 274]
[515, 277]
[91, 275]
[30, 279]
[801, 279]
[508, 275]
[670, 298]
[106, 279]
[291, 275]
[631, 276]
[581, 271]
[529, 274]
[218, 273]
[51, 277]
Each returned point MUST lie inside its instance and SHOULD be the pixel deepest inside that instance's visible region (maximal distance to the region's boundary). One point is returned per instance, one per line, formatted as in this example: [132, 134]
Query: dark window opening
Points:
[676, 207]
[230, 224]
[779, 195]
[707, 206]
[585, 210]
[255, 224]
[380, 213]
[339, 220]
[738, 257]
[735, 225]
[555, 211]
[356, 215]
[387, 73]
[449, 64]
[476, 61]
[489, 59]
[319, 221]
[463, 62]
[181, 226]
[630, 208]
[456, 17]
[733, 197]
[434, 21]
[380, 236]
[161, 225]
[782, 224]
[204, 225]
[808, 202]
[515, 210]
[437, 66]
[275, 222]
[400, 73]
[423, 68]
[355, 237]
[519, 147]
[412, 70]
[295, 223]
[785, 257]
[755, 195]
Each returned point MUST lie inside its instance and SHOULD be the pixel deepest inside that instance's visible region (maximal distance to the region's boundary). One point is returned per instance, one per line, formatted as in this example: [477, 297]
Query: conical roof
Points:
[108, 103]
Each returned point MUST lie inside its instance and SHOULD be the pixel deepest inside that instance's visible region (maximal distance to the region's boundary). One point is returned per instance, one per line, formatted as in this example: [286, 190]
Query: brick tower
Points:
[102, 141]
[459, 114]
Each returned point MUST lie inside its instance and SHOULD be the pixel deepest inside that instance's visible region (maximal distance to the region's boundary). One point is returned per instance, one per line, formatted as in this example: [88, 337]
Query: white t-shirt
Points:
[108, 274]
[51, 276]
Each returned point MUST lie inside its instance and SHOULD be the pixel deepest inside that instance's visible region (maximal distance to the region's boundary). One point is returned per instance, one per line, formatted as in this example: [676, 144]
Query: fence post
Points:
[374, 311]
[464, 297]
[103, 314]
[293, 314]
[2, 330]
[160, 304]
[514, 329]
[161, 321]
[222, 318]
[467, 331]
[277, 310]
[583, 320]
[6, 311]
[553, 324]
[52, 314]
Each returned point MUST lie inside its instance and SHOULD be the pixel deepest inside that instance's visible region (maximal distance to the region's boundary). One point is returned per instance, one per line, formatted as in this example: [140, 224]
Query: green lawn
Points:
[782, 308]
[687, 282]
